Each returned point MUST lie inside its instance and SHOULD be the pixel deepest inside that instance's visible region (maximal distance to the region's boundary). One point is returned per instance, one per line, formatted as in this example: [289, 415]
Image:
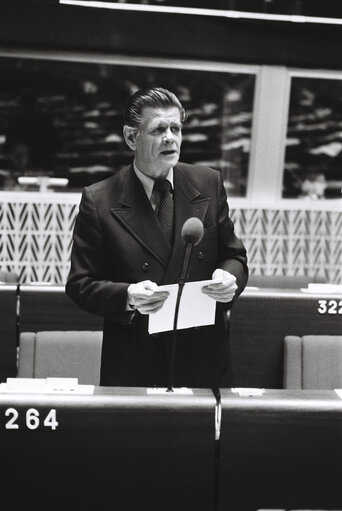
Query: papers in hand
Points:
[195, 309]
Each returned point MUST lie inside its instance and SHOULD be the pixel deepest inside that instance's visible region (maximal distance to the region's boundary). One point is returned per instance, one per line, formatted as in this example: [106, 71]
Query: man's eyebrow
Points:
[163, 124]
[157, 124]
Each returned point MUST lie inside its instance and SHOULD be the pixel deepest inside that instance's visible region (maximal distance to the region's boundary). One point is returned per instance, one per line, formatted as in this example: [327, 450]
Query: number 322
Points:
[329, 307]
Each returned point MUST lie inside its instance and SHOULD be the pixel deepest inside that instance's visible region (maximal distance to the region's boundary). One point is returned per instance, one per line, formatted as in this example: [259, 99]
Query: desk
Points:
[47, 307]
[282, 450]
[259, 321]
[118, 449]
[125, 449]
[8, 330]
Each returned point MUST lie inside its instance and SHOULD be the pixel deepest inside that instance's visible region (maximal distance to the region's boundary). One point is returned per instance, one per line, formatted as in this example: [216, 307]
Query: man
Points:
[121, 254]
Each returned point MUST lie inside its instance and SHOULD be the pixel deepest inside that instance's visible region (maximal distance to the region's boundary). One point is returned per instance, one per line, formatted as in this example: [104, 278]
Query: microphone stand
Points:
[181, 282]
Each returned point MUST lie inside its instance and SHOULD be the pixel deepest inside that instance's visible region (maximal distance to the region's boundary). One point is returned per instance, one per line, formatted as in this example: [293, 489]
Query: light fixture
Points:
[204, 12]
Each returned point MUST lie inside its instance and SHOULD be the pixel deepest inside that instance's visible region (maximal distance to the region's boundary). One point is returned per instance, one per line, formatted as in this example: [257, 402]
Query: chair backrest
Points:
[61, 354]
[313, 362]
[9, 277]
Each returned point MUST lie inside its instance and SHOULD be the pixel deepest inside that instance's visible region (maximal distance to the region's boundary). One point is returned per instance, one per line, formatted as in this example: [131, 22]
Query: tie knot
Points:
[162, 186]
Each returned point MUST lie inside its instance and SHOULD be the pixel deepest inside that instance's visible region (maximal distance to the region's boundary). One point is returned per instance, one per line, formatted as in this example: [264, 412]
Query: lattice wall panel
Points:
[292, 242]
[36, 241]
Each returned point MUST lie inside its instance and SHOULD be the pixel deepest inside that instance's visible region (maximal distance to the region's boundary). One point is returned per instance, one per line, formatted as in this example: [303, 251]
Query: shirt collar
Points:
[148, 182]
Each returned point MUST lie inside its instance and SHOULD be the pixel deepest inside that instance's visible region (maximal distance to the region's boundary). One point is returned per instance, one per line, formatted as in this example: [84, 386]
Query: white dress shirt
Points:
[148, 184]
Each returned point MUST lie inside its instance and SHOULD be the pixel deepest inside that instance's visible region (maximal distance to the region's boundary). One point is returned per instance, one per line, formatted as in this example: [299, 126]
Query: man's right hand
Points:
[145, 297]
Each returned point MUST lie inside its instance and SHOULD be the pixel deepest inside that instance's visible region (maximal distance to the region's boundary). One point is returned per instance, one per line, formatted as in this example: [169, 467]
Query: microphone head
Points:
[192, 231]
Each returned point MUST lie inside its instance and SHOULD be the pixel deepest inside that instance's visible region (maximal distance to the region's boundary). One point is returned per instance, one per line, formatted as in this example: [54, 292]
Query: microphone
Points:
[192, 231]
[192, 234]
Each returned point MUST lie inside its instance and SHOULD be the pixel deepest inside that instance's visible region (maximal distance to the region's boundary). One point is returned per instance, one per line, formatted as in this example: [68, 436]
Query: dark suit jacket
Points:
[118, 241]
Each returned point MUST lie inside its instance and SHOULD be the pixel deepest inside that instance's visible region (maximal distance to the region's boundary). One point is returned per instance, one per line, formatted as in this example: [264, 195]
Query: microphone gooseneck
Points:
[192, 234]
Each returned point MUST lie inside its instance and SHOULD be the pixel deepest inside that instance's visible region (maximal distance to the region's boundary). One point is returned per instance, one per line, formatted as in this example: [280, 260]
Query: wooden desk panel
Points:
[49, 308]
[282, 450]
[259, 321]
[123, 449]
[119, 449]
[8, 331]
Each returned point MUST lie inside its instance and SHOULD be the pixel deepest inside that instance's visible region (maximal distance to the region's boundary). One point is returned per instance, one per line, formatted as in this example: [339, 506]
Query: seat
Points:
[61, 354]
[313, 362]
[8, 277]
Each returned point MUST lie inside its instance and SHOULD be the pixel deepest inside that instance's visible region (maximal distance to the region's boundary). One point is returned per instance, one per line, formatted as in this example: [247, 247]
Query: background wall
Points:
[296, 239]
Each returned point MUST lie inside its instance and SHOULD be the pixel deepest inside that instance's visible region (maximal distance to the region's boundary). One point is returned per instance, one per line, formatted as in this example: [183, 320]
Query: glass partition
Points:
[61, 121]
[313, 158]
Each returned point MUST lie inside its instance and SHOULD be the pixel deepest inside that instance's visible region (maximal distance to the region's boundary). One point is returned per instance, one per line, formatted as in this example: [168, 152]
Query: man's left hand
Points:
[224, 290]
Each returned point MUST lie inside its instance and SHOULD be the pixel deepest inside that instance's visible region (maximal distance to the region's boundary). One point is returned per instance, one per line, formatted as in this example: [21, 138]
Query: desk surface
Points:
[251, 291]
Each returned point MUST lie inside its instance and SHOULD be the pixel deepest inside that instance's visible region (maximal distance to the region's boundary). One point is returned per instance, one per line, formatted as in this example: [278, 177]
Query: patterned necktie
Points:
[165, 209]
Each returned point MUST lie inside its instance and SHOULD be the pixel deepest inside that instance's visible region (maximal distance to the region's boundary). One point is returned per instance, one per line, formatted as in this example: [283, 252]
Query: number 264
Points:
[32, 419]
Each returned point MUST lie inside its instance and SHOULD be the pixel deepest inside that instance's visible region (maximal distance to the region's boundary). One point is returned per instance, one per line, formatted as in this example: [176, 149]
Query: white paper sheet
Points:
[164, 390]
[248, 392]
[196, 308]
[45, 386]
[323, 288]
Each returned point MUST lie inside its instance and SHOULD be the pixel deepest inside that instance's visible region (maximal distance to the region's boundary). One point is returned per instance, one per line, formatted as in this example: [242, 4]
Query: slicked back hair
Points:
[150, 98]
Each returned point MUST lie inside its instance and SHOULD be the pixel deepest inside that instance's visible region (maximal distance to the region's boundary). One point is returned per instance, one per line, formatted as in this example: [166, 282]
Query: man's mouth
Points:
[168, 152]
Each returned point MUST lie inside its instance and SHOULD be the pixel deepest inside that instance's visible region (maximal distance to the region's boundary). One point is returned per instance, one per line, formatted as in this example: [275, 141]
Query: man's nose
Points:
[168, 136]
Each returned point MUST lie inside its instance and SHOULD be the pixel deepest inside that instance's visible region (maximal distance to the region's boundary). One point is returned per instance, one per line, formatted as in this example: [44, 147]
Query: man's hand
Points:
[145, 297]
[224, 290]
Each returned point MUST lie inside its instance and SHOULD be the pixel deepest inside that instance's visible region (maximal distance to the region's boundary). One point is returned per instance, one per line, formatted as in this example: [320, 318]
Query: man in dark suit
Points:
[121, 254]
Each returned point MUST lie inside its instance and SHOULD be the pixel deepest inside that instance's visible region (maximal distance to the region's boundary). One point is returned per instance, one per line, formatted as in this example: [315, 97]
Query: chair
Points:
[61, 354]
[8, 277]
[313, 362]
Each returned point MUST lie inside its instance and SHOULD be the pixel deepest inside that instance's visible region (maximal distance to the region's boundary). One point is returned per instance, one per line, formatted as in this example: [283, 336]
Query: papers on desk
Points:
[323, 288]
[196, 308]
[248, 391]
[185, 391]
[339, 392]
[45, 386]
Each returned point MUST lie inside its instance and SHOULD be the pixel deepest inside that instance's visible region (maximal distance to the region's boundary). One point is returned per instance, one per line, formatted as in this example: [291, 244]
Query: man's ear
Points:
[130, 136]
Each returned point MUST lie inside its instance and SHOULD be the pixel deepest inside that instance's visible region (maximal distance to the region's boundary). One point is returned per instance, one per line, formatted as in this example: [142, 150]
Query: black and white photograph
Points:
[171, 255]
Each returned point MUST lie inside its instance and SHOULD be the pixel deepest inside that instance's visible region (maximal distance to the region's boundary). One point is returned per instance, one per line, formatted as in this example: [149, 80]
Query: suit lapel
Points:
[189, 202]
[135, 213]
